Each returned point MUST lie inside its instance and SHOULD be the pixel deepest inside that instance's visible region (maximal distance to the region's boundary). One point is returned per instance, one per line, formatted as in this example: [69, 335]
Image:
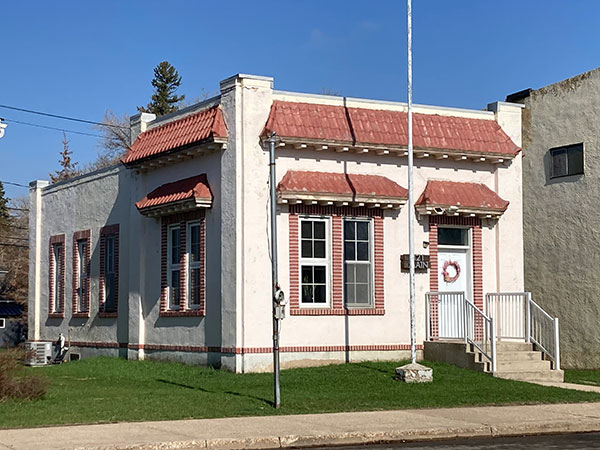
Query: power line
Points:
[14, 184]
[15, 226]
[56, 116]
[17, 209]
[53, 128]
[14, 245]
[13, 237]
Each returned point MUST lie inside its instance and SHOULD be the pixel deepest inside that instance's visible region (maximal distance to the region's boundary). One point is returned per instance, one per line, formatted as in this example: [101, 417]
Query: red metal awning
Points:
[205, 126]
[340, 188]
[454, 198]
[371, 127]
[178, 196]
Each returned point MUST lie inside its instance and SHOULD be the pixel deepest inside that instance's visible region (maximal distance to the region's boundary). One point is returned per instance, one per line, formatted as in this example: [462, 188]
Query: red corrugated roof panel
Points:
[189, 188]
[323, 183]
[188, 130]
[361, 126]
[465, 195]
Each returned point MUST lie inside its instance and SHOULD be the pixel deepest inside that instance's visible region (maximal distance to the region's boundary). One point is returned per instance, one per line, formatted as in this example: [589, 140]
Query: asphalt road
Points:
[582, 441]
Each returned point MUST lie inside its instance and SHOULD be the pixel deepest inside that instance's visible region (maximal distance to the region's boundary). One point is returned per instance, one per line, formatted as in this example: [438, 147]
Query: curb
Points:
[363, 438]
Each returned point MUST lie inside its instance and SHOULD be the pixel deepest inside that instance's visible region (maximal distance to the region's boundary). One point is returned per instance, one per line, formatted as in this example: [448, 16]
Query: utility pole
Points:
[277, 298]
[411, 200]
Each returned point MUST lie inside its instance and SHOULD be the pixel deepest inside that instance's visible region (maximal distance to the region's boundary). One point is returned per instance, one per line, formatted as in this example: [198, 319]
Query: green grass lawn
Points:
[589, 377]
[109, 390]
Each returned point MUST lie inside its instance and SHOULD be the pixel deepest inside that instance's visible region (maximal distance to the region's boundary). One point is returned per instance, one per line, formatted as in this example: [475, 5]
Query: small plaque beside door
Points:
[421, 263]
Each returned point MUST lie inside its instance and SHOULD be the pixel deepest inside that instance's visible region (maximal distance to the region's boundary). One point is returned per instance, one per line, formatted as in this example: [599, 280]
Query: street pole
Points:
[411, 204]
[276, 297]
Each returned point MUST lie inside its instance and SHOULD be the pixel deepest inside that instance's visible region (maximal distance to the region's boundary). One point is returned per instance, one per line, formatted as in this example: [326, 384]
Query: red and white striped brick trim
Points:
[182, 219]
[79, 236]
[475, 224]
[106, 231]
[337, 215]
[54, 311]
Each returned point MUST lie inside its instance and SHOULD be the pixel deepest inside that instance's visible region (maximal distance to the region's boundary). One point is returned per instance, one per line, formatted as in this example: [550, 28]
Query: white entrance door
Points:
[454, 275]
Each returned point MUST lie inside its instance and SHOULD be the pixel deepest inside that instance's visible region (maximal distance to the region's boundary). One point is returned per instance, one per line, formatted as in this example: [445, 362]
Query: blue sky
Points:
[81, 58]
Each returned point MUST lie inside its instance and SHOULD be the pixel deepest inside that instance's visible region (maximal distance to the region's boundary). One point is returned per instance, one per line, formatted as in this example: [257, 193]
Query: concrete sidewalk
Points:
[312, 430]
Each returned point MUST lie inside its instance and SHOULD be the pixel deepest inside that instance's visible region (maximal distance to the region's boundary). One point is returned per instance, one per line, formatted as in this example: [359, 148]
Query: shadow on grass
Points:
[200, 388]
[376, 369]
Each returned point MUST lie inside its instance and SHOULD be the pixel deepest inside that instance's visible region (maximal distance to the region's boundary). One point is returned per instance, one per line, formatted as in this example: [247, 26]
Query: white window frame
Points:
[58, 283]
[371, 262]
[191, 265]
[316, 261]
[109, 268]
[2, 323]
[171, 267]
[82, 262]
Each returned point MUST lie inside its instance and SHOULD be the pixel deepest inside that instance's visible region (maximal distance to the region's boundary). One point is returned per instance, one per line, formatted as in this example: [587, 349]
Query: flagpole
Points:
[411, 205]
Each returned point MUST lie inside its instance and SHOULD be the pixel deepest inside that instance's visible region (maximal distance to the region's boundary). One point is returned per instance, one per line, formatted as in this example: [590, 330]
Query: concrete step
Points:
[539, 375]
[519, 356]
[509, 346]
[525, 366]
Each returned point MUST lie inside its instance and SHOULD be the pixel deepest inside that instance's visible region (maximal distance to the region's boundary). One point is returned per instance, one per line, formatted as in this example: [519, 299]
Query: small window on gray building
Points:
[2, 323]
[566, 161]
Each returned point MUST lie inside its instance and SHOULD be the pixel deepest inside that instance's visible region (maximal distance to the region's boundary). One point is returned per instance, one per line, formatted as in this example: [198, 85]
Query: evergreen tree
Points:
[4, 216]
[164, 100]
[68, 167]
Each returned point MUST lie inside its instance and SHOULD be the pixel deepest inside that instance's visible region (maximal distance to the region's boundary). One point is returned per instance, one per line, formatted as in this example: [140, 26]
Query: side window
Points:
[174, 265]
[566, 161]
[314, 261]
[82, 275]
[57, 278]
[358, 270]
[194, 251]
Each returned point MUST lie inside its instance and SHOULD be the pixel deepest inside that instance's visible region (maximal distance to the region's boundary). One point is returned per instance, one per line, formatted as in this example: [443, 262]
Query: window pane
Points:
[559, 162]
[195, 243]
[350, 293]
[307, 293]
[453, 236]
[362, 272]
[362, 231]
[350, 273]
[362, 251]
[109, 252]
[109, 292]
[174, 287]
[319, 230]
[349, 229]
[306, 229]
[307, 251]
[319, 274]
[307, 276]
[319, 249]
[349, 251]
[195, 287]
[575, 159]
[175, 255]
[320, 293]
[362, 294]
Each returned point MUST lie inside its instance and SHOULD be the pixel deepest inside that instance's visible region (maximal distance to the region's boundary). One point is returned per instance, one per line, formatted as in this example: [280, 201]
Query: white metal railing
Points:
[480, 332]
[519, 317]
[455, 317]
[508, 309]
[445, 313]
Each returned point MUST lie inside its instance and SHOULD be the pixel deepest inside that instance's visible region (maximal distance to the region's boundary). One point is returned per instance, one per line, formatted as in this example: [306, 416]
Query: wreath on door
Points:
[447, 277]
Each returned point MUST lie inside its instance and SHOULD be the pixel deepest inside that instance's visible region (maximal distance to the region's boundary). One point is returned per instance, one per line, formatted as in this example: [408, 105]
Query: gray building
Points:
[561, 189]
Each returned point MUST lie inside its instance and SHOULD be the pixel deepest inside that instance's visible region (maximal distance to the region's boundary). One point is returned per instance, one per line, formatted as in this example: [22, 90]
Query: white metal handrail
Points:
[480, 332]
[517, 316]
[543, 331]
[508, 310]
[445, 312]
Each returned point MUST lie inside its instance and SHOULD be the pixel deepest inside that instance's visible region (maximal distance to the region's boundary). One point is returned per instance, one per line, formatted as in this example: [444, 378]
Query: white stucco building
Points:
[167, 255]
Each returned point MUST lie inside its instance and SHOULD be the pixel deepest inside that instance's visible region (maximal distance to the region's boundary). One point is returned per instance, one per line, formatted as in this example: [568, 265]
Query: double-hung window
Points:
[57, 278]
[194, 252]
[358, 267]
[174, 265]
[110, 293]
[82, 275]
[314, 261]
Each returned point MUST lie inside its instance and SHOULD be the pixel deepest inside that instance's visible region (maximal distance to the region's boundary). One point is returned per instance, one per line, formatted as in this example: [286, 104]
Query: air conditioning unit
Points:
[38, 353]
